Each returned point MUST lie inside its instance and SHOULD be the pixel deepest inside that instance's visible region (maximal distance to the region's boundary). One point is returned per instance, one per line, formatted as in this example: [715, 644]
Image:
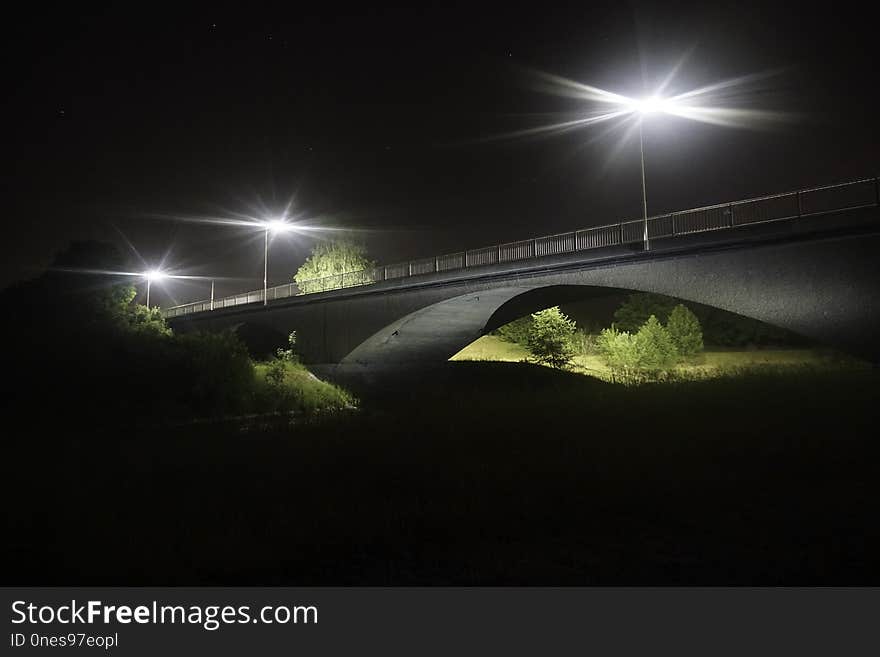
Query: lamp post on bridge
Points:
[647, 242]
[150, 276]
[273, 226]
[645, 107]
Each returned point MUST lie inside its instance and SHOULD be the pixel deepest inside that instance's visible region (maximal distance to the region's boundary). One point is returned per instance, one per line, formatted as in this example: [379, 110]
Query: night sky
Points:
[121, 120]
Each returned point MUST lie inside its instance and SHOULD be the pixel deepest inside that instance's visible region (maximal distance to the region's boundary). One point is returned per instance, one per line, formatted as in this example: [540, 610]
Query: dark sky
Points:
[377, 121]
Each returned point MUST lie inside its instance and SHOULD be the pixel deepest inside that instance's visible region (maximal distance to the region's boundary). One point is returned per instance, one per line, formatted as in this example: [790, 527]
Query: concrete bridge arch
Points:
[822, 287]
[819, 290]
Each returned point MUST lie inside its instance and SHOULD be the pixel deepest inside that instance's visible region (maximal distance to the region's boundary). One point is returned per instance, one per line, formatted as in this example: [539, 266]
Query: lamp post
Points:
[645, 107]
[695, 105]
[266, 267]
[150, 276]
[644, 191]
[272, 226]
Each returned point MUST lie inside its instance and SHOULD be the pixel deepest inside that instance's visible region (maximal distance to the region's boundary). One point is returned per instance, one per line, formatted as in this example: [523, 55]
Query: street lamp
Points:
[695, 105]
[274, 226]
[150, 276]
[645, 107]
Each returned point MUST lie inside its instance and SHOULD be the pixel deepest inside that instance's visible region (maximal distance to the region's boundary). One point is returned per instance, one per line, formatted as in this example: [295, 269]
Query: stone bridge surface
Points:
[816, 276]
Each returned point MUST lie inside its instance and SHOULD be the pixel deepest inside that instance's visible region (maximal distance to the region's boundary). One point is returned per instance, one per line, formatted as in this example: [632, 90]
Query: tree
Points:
[718, 327]
[636, 310]
[685, 331]
[655, 348]
[112, 306]
[550, 337]
[325, 269]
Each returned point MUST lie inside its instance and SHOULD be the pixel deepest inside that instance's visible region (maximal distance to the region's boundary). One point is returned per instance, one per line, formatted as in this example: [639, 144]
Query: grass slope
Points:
[479, 473]
[301, 392]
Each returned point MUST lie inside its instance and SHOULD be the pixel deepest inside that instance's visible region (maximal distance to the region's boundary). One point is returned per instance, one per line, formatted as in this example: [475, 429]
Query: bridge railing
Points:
[777, 207]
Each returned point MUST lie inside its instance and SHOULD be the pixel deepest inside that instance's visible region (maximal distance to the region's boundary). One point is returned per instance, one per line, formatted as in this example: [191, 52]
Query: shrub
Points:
[550, 337]
[618, 349]
[685, 331]
[276, 371]
[516, 331]
[632, 356]
[218, 371]
[288, 355]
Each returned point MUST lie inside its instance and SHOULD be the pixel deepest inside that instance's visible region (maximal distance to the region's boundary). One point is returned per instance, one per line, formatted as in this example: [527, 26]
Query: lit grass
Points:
[490, 347]
[708, 364]
[301, 391]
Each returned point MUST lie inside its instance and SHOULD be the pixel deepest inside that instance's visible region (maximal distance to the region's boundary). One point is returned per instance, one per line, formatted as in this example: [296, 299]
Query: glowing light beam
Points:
[704, 105]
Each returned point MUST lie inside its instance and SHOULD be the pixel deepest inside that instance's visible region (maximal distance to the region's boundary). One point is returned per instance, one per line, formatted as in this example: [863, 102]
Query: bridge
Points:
[805, 260]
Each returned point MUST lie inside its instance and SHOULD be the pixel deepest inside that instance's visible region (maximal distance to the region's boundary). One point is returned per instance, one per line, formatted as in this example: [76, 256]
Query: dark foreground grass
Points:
[477, 473]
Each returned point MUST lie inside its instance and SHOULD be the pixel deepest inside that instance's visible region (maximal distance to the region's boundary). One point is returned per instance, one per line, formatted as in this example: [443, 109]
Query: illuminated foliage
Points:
[685, 331]
[114, 306]
[550, 337]
[651, 349]
[655, 348]
[717, 327]
[289, 355]
[618, 349]
[516, 331]
[330, 262]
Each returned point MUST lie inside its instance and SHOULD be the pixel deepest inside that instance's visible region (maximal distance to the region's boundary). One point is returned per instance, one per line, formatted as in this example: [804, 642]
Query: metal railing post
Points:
[798, 197]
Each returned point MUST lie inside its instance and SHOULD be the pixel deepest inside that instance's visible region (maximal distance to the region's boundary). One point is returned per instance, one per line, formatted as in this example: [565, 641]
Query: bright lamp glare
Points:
[155, 275]
[277, 226]
[651, 105]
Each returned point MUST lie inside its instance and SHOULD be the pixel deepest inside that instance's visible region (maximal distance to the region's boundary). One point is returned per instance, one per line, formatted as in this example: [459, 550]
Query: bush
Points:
[276, 371]
[631, 356]
[685, 331]
[618, 350]
[516, 331]
[218, 371]
[288, 355]
[550, 337]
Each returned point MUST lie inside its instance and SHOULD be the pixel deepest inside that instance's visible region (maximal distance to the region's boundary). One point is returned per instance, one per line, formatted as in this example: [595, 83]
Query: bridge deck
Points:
[734, 223]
